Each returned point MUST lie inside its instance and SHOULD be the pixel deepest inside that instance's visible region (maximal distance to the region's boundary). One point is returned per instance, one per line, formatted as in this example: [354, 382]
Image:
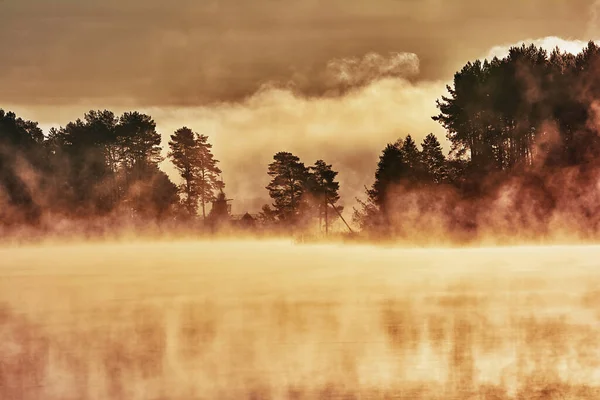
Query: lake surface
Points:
[273, 320]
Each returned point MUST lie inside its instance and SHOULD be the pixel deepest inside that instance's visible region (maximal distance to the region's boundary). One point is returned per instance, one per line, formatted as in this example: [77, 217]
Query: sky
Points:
[335, 79]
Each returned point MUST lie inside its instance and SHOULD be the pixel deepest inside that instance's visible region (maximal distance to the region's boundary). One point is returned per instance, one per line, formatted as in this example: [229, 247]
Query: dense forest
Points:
[101, 173]
[524, 157]
[523, 162]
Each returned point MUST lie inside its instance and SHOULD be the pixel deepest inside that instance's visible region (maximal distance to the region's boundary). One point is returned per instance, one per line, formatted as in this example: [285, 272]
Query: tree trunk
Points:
[203, 195]
[326, 214]
[188, 190]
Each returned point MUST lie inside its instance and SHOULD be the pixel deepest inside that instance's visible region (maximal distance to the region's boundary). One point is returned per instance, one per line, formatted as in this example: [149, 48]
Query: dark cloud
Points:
[184, 52]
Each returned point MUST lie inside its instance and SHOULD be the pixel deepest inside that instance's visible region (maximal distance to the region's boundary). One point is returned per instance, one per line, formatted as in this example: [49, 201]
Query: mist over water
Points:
[272, 320]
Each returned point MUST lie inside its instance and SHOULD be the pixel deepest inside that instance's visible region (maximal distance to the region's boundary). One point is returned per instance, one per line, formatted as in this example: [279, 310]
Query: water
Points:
[271, 320]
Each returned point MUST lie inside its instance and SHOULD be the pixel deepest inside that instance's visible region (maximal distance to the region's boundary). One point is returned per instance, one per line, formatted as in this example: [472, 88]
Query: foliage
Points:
[287, 186]
[192, 157]
[324, 190]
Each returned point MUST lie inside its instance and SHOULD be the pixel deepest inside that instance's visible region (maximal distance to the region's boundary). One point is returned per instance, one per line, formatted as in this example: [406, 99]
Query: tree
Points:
[102, 163]
[20, 141]
[89, 146]
[400, 163]
[368, 214]
[208, 173]
[415, 172]
[139, 142]
[433, 159]
[152, 197]
[324, 188]
[410, 153]
[372, 213]
[267, 215]
[496, 108]
[184, 156]
[163, 196]
[390, 170]
[287, 186]
[191, 154]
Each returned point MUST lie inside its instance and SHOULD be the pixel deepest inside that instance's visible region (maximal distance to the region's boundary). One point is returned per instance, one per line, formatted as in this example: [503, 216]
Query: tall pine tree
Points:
[192, 156]
[433, 159]
[287, 186]
[325, 190]
[183, 155]
[208, 172]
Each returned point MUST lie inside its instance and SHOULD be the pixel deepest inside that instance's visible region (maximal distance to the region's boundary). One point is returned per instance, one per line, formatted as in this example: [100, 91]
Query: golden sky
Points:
[260, 76]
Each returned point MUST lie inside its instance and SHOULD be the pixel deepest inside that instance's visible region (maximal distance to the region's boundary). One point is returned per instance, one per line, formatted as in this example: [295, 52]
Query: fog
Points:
[248, 319]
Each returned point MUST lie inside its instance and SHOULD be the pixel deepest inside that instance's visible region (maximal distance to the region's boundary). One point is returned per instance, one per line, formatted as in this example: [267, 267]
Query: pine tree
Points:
[267, 215]
[191, 154]
[433, 159]
[287, 186]
[411, 154]
[368, 215]
[325, 189]
[183, 154]
[139, 142]
[208, 172]
[390, 170]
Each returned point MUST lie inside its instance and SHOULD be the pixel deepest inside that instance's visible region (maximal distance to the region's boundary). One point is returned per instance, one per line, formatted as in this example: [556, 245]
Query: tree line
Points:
[105, 165]
[301, 194]
[524, 140]
[524, 154]
[101, 165]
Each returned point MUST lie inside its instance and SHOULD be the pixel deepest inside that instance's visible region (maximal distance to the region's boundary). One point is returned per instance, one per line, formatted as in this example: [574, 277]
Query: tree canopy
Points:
[524, 147]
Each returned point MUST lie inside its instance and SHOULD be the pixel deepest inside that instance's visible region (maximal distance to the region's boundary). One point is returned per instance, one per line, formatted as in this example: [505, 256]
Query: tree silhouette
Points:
[88, 146]
[139, 142]
[372, 213]
[153, 196]
[402, 167]
[497, 109]
[433, 159]
[410, 153]
[267, 215]
[368, 215]
[104, 163]
[184, 156]
[191, 154]
[325, 189]
[390, 170]
[287, 186]
[208, 172]
[20, 141]
[83, 169]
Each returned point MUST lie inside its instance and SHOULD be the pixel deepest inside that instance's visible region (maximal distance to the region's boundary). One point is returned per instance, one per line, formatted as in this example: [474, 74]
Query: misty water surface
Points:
[271, 320]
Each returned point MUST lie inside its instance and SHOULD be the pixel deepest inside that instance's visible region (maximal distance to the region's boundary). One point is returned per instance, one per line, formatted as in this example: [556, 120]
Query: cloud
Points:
[190, 53]
[358, 71]
[348, 131]
[547, 43]
[339, 76]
